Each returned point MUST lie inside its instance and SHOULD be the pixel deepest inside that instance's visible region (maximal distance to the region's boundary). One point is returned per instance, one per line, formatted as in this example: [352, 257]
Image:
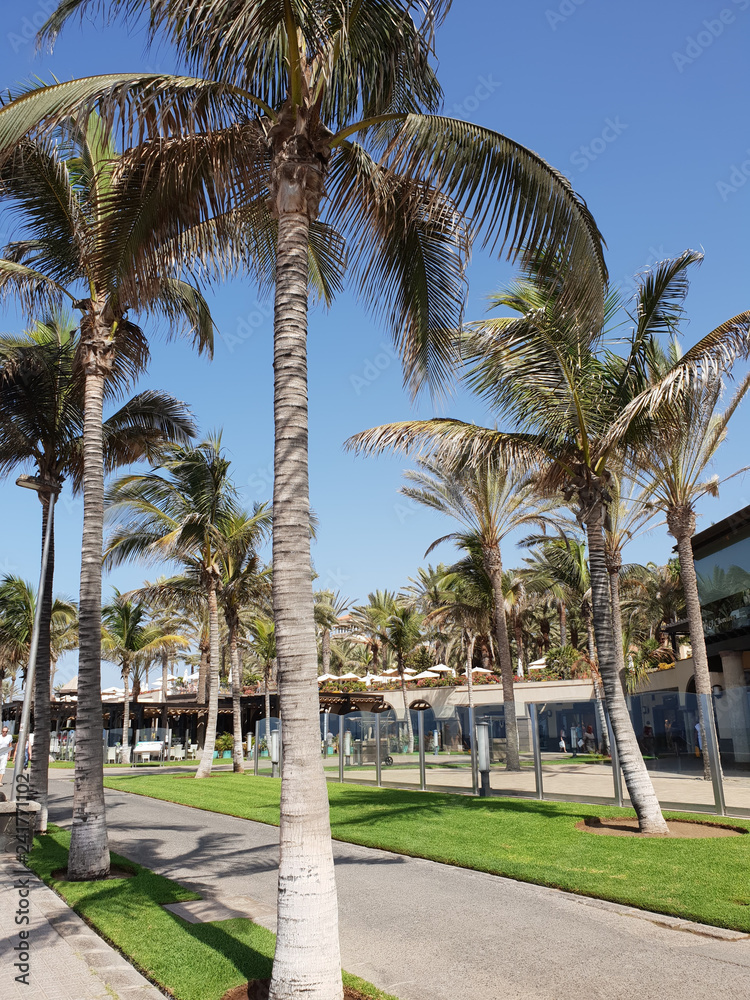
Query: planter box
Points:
[227, 753]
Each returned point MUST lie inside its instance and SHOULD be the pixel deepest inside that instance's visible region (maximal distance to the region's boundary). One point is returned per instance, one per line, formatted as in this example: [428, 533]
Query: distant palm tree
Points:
[41, 427]
[127, 638]
[403, 633]
[181, 513]
[369, 622]
[329, 606]
[263, 641]
[243, 585]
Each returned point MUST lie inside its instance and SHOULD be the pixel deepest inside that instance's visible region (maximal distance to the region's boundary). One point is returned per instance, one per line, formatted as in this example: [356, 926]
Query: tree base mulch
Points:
[258, 990]
[61, 875]
[618, 826]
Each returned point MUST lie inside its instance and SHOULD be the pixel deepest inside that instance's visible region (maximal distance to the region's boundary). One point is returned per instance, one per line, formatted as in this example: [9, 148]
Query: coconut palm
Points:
[368, 621]
[180, 512]
[127, 638]
[328, 608]
[41, 428]
[243, 584]
[90, 234]
[402, 630]
[335, 98]
[488, 502]
[674, 469]
[577, 409]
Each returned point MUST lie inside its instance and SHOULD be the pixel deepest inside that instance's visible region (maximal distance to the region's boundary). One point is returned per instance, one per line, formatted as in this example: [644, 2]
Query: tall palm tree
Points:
[369, 622]
[577, 409]
[92, 235]
[488, 502]
[307, 80]
[181, 514]
[41, 428]
[243, 584]
[127, 637]
[674, 468]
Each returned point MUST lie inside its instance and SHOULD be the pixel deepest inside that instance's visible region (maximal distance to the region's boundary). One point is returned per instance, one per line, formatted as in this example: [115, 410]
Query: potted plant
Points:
[224, 745]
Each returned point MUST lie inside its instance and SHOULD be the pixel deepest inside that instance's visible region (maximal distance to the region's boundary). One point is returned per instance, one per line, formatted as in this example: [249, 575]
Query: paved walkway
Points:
[426, 931]
[65, 959]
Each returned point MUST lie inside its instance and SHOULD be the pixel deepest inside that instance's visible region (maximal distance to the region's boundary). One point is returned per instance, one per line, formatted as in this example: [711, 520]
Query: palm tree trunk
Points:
[266, 679]
[164, 686]
[494, 568]
[469, 672]
[126, 714]
[203, 671]
[40, 757]
[307, 959]
[89, 850]
[238, 764]
[681, 522]
[207, 756]
[614, 594]
[562, 613]
[637, 778]
[407, 712]
[325, 651]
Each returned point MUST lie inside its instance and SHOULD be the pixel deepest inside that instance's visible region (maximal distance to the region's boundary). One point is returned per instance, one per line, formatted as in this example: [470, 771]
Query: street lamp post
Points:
[39, 485]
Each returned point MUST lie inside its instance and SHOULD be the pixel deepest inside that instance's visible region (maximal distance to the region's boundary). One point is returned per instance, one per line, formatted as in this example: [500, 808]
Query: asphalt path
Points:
[426, 931]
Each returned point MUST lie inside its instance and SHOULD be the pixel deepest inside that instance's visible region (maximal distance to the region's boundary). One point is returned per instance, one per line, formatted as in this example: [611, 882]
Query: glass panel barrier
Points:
[330, 732]
[263, 745]
[732, 714]
[573, 747]
[359, 746]
[668, 733]
[503, 781]
[448, 754]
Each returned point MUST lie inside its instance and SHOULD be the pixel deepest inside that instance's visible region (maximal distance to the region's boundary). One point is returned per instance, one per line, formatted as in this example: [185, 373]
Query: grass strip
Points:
[189, 961]
[704, 880]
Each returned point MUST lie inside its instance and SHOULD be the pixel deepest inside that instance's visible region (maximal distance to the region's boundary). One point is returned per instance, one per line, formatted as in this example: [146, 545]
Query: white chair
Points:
[177, 753]
[111, 755]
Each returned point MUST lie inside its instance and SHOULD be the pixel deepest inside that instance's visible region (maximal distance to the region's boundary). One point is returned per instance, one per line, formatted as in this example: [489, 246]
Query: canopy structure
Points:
[349, 677]
[538, 664]
[326, 677]
[70, 687]
[424, 675]
[441, 668]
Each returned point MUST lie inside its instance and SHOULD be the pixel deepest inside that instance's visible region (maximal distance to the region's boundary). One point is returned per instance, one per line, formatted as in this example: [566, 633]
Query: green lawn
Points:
[189, 961]
[704, 880]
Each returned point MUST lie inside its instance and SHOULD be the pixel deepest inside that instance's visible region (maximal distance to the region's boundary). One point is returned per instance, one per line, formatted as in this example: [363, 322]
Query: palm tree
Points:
[328, 608]
[673, 468]
[305, 81]
[488, 502]
[577, 409]
[263, 640]
[243, 583]
[92, 235]
[41, 427]
[17, 609]
[369, 622]
[127, 637]
[181, 515]
[403, 633]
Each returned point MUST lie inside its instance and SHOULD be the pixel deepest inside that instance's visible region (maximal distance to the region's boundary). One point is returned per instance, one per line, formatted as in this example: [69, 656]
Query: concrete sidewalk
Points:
[60, 958]
[426, 931]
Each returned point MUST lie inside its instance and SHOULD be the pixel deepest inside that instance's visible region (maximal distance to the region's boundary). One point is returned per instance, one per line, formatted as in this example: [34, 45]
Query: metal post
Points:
[23, 731]
[616, 776]
[378, 764]
[534, 727]
[714, 758]
[342, 734]
[483, 757]
[420, 731]
[473, 747]
[256, 750]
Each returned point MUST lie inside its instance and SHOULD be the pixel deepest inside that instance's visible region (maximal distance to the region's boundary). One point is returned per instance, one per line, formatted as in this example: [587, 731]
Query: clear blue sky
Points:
[641, 104]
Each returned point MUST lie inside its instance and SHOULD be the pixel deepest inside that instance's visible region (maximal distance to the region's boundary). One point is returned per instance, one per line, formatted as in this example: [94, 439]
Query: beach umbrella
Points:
[424, 675]
[441, 668]
[349, 677]
[326, 677]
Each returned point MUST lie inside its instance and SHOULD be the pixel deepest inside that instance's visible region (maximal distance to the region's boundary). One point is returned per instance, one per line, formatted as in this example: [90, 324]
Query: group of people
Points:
[581, 741]
[7, 751]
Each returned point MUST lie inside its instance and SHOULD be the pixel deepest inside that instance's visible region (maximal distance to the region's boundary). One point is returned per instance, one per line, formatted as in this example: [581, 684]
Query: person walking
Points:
[589, 740]
[6, 743]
